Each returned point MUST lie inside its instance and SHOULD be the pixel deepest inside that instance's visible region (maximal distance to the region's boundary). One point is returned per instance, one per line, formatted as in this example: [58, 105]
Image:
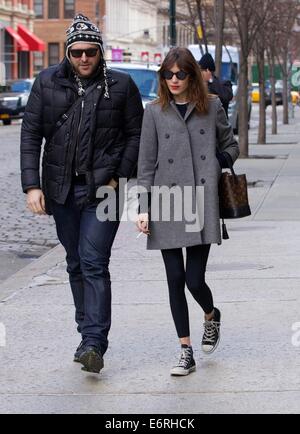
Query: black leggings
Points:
[194, 278]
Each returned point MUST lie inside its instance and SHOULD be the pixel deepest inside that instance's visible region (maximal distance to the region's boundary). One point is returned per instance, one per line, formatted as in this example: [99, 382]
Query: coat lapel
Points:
[174, 108]
[190, 109]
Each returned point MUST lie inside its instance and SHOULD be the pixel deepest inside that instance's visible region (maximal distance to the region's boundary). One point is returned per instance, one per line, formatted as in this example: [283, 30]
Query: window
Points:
[69, 10]
[38, 8]
[53, 54]
[53, 9]
[38, 61]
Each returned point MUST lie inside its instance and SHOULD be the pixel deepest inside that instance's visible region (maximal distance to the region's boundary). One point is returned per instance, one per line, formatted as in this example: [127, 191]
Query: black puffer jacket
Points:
[223, 89]
[109, 132]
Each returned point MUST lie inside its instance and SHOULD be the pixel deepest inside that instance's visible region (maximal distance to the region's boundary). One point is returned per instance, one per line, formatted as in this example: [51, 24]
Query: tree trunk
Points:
[243, 107]
[261, 139]
[273, 93]
[202, 23]
[285, 76]
[285, 100]
[219, 20]
[243, 85]
[194, 24]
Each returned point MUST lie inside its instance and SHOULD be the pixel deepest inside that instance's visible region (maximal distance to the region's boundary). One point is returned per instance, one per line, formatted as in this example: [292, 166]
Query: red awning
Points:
[35, 43]
[21, 44]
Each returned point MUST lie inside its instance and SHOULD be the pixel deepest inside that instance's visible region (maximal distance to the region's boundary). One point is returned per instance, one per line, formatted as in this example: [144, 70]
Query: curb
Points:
[22, 278]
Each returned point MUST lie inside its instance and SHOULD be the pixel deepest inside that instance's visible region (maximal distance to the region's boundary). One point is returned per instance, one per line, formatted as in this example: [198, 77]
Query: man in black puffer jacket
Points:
[91, 121]
[222, 88]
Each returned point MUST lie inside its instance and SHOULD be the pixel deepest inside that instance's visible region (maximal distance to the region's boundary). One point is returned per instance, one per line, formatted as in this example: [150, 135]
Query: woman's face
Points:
[177, 86]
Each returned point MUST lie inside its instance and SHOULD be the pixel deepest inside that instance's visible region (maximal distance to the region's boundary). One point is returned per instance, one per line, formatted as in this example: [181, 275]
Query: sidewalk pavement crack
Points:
[259, 207]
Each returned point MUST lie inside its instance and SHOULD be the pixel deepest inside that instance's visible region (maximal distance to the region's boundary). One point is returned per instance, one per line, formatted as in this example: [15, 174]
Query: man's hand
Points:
[36, 201]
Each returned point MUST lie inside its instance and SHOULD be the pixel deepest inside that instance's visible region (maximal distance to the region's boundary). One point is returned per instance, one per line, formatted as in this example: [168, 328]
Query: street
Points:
[23, 236]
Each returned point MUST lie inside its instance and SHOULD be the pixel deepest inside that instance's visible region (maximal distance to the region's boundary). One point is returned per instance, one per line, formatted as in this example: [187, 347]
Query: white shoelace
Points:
[185, 357]
[210, 328]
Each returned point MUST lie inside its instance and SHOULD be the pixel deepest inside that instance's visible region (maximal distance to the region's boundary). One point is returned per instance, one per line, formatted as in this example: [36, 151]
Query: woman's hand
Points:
[142, 223]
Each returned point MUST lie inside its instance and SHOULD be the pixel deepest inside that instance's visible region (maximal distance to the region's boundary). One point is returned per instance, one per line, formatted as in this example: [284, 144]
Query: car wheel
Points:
[7, 122]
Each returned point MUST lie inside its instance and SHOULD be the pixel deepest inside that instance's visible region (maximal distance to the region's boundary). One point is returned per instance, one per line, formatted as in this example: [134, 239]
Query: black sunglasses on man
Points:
[89, 52]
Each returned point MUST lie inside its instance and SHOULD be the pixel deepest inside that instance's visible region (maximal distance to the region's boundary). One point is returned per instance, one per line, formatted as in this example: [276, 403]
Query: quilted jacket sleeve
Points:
[31, 139]
[133, 116]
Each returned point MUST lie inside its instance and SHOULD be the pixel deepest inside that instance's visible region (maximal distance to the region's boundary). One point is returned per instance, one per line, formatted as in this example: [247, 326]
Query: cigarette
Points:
[141, 233]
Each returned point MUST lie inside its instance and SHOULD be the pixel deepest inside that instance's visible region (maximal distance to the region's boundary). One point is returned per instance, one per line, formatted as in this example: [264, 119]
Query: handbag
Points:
[233, 196]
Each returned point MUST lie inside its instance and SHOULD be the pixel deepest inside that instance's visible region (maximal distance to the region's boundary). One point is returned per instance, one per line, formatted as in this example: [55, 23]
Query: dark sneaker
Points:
[211, 336]
[186, 363]
[91, 359]
[78, 352]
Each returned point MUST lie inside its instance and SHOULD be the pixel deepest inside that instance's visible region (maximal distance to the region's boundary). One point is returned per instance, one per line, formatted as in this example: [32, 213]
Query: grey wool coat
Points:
[181, 153]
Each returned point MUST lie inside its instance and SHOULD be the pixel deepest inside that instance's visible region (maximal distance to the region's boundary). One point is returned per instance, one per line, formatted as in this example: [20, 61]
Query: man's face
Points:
[85, 58]
[206, 74]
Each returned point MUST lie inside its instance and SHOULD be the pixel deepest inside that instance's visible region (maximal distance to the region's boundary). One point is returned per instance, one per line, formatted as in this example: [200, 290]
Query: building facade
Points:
[17, 40]
[131, 29]
[53, 17]
[139, 30]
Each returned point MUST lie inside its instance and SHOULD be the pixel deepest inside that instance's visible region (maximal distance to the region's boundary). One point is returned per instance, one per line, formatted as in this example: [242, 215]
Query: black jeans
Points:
[193, 276]
[88, 243]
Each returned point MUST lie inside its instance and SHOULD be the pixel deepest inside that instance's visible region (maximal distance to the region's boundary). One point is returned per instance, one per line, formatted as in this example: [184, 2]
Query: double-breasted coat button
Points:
[202, 131]
[203, 157]
[167, 136]
[171, 160]
[202, 181]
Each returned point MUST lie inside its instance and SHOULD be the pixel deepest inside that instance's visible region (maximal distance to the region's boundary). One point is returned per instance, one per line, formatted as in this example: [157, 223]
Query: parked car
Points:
[144, 75]
[278, 92]
[13, 100]
[233, 110]
[255, 93]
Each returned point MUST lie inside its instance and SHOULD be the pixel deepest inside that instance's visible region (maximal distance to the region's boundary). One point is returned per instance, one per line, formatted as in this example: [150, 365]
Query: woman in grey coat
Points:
[186, 140]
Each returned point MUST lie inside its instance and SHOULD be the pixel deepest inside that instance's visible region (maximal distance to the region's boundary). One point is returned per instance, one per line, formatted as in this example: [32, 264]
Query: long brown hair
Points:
[197, 90]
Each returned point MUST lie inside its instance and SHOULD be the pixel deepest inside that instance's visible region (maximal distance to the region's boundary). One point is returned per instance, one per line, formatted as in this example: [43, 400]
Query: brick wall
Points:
[53, 31]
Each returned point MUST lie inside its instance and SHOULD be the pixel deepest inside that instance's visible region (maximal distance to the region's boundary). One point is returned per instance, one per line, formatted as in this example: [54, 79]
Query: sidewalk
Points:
[255, 278]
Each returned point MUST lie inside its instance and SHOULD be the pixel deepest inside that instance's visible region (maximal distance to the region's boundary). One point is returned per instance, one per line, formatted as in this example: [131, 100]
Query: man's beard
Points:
[93, 72]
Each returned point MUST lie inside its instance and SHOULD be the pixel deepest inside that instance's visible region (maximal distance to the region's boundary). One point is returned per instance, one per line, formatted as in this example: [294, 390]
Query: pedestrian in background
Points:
[91, 119]
[215, 86]
[180, 134]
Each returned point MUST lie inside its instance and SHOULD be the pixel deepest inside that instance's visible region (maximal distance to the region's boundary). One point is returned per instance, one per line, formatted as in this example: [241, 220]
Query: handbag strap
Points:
[229, 164]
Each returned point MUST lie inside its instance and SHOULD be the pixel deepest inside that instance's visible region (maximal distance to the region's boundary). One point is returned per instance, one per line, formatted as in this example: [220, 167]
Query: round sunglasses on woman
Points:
[168, 75]
[183, 131]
